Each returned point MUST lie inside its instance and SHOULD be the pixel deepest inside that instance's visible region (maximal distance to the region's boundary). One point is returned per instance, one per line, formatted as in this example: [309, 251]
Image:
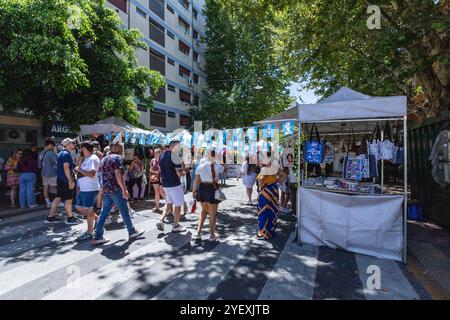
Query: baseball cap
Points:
[66, 141]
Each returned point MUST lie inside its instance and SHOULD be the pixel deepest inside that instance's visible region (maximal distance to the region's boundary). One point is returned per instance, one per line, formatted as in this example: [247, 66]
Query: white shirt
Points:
[88, 184]
[204, 171]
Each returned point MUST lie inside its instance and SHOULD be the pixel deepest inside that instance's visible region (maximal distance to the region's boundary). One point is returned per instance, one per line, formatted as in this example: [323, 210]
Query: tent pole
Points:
[405, 186]
[382, 165]
[299, 181]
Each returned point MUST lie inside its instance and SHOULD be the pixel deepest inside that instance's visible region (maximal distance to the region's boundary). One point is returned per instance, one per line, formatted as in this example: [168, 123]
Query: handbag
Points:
[339, 157]
[328, 153]
[373, 146]
[314, 148]
[353, 165]
[387, 147]
[218, 194]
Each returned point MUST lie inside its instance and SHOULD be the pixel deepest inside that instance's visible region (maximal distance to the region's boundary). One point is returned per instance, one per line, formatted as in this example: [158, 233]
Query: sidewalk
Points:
[429, 257]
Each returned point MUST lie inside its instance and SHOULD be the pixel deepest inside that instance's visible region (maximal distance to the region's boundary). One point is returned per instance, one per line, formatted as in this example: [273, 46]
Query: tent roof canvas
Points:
[110, 125]
[344, 104]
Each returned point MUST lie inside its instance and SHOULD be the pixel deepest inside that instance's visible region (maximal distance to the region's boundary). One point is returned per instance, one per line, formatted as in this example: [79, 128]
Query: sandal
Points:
[214, 238]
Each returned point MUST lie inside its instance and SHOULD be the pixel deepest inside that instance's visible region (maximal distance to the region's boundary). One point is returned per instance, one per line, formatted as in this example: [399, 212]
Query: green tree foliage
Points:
[239, 56]
[71, 60]
[328, 45]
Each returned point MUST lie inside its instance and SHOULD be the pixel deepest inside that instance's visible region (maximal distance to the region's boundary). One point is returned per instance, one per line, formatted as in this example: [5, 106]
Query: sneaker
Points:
[137, 233]
[85, 236]
[72, 221]
[61, 204]
[160, 225]
[157, 210]
[178, 228]
[97, 242]
[54, 219]
[33, 206]
[49, 205]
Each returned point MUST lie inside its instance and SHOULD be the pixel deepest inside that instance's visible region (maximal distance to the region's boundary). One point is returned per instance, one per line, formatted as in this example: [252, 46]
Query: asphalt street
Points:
[39, 261]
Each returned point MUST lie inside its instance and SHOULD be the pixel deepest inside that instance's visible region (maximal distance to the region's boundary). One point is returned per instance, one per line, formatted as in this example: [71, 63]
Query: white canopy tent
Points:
[373, 225]
[110, 125]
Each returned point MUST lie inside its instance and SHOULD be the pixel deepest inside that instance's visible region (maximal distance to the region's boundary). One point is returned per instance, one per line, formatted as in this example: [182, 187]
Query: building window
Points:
[183, 47]
[184, 3]
[194, 34]
[161, 95]
[121, 4]
[142, 108]
[184, 72]
[171, 114]
[141, 13]
[196, 101]
[158, 118]
[195, 78]
[184, 25]
[170, 9]
[195, 13]
[184, 120]
[171, 88]
[157, 32]
[195, 57]
[170, 34]
[170, 61]
[157, 62]
[185, 96]
[157, 6]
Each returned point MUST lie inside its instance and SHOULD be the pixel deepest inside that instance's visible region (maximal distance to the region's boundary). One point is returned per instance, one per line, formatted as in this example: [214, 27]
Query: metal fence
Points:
[434, 198]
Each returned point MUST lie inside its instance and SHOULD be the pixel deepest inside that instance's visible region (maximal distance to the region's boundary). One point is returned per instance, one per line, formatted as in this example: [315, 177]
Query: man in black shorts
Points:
[65, 183]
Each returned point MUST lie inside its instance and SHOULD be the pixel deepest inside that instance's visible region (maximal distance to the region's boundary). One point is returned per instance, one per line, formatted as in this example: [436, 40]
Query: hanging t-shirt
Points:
[85, 183]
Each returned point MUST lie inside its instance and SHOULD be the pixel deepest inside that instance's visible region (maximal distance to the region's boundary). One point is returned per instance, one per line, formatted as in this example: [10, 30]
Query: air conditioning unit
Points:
[190, 82]
[197, 43]
[15, 136]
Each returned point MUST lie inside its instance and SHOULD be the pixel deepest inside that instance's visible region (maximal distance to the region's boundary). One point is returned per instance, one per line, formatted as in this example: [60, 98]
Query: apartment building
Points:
[172, 29]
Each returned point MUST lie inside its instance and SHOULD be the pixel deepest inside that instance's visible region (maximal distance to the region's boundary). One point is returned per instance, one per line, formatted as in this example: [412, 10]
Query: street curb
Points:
[18, 212]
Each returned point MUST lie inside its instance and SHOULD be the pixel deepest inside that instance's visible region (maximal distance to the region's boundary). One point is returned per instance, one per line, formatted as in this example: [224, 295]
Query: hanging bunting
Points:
[127, 136]
[238, 134]
[142, 139]
[149, 138]
[133, 138]
[230, 152]
[117, 139]
[252, 134]
[288, 128]
[269, 131]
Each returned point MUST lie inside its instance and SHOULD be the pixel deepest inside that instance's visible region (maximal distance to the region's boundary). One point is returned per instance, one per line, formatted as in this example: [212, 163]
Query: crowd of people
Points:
[95, 180]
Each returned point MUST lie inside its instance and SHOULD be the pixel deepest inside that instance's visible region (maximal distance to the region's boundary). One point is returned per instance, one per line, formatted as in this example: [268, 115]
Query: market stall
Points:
[345, 212]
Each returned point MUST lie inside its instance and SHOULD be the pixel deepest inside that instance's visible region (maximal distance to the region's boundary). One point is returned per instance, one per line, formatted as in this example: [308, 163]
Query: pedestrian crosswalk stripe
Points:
[94, 284]
[34, 269]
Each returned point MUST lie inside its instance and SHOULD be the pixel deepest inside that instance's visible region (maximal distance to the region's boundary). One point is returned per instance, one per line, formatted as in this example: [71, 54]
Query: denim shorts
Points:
[86, 199]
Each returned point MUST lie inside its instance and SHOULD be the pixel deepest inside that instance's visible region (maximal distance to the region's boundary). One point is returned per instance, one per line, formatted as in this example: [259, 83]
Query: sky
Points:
[307, 96]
